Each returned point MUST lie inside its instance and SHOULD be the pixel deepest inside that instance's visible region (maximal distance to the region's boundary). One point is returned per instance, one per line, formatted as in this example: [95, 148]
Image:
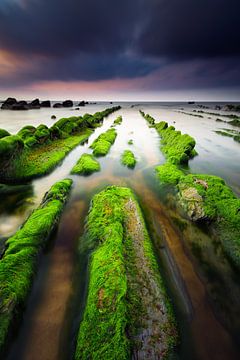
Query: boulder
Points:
[46, 104]
[58, 105]
[20, 105]
[67, 103]
[7, 104]
[82, 103]
[4, 133]
[192, 203]
[35, 104]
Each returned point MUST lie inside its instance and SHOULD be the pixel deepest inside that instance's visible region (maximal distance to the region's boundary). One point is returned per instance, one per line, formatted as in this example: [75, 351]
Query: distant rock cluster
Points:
[14, 104]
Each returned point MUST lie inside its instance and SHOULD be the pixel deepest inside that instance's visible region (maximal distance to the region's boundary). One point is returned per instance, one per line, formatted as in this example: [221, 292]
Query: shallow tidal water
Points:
[196, 272]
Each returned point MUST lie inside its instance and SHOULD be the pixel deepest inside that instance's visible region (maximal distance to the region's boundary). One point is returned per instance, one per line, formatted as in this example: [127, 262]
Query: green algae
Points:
[177, 147]
[103, 143]
[149, 118]
[4, 133]
[9, 145]
[86, 165]
[37, 151]
[128, 159]
[117, 121]
[168, 173]
[130, 142]
[202, 197]
[110, 323]
[229, 133]
[19, 262]
[42, 160]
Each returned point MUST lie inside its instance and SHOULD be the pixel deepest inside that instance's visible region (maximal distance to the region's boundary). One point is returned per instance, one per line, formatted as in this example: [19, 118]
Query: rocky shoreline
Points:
[13, 104]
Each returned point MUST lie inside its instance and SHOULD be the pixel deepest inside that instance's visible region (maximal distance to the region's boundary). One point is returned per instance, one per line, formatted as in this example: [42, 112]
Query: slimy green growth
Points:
[128, 159]
[86, 165]
[19, 262]
[122, 263]
[103, 143]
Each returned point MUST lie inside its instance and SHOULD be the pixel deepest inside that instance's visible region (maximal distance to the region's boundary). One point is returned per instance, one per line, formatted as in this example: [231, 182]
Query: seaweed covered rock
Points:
[178, 148]
[42, 134]
[4, 133]
[124, 282]
[19, 262]
[117, 121]
[10, 146]
[43, 147]
[103, 143]
[128, 159]
[26, 132]
[150, 119]
[86, 165]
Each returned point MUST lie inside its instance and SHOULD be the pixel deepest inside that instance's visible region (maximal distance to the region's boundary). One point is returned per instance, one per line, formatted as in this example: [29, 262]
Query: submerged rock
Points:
[192, 203]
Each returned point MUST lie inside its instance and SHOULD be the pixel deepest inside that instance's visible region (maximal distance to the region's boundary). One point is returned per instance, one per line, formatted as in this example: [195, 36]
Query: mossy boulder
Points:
[86, 165]
[103, 143]
[26, 132]
[19, 262]
[10, 146]
[4, 133]
[168, 173]
[122, 266]
[128, 159]
[42, 133]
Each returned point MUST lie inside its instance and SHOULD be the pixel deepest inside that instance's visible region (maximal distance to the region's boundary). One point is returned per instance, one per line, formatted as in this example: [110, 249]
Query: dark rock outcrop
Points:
[46, 104]
[83, 103]
[20, 105]
[35, 104]
[7, 105]
[58, 105]
[67, 103]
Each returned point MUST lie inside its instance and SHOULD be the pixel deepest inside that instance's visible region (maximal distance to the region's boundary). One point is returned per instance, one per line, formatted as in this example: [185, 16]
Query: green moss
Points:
[4, 133]
[86, 165]
[35, 152]
[19, 262]
[130, 142]
[103, 143]
[112, 302]
[168, 173]
[207, 197]
[223, 133]
[150, 119]
[26, 132]
[42, 134]
[117, 121]
[43, 159]
[177, 148]
[10, 146]
[128, 159]
[235, 122]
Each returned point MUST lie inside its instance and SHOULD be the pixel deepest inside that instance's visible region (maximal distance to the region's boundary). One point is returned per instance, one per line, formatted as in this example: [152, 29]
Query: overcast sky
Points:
[128, 49]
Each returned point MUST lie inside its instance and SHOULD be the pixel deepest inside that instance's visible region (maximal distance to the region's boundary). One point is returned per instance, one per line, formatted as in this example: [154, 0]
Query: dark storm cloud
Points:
[191, 28]
[96, 40]
[57, 27]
